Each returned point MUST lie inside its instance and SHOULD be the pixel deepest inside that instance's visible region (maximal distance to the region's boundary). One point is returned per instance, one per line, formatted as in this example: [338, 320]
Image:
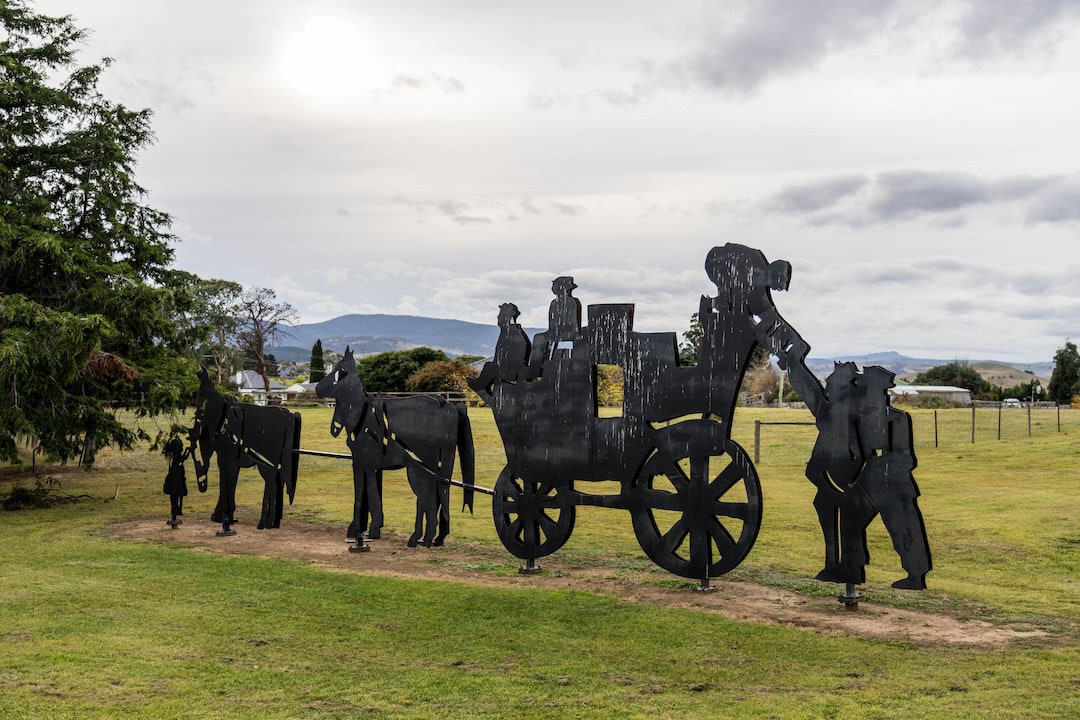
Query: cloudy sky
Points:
[917, 162]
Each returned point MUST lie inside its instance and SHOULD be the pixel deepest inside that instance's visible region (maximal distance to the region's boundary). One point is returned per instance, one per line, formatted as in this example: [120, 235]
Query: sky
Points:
[917, 161]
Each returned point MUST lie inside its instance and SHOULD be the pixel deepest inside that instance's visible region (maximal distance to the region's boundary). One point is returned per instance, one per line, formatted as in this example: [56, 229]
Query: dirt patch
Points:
[460, 562]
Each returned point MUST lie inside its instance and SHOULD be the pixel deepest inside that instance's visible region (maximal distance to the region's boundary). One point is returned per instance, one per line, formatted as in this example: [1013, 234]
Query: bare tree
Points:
[262, 321]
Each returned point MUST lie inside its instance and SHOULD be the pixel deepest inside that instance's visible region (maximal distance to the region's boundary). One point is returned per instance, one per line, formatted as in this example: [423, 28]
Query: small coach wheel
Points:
[530, 517]
[698, 510]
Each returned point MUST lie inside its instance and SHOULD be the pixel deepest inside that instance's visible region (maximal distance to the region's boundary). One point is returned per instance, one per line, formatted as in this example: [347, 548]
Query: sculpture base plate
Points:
[850, 598]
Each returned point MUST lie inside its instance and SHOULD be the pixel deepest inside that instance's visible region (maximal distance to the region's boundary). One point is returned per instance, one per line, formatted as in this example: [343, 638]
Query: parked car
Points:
[1011, 403]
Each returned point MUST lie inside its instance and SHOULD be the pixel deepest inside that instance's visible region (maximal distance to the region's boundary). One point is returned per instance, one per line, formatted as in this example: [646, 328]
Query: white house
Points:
[250, 384]
[297, 389]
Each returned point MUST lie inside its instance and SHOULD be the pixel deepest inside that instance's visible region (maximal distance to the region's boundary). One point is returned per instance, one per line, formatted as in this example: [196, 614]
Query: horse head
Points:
[344, 386]
[208, 407]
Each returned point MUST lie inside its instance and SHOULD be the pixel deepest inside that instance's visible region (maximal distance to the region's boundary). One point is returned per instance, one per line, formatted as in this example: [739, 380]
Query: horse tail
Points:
[467, 455]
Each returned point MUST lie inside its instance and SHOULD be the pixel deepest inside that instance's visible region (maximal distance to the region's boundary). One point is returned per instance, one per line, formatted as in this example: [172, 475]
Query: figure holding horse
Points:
[419, 434]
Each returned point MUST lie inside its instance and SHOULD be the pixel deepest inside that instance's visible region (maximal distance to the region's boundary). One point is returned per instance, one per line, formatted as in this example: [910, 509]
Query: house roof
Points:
[302, 387]
[916, 389]
[251, 380]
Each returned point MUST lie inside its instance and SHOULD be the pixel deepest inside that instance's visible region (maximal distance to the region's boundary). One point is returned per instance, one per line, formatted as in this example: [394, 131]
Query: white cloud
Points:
[451, 165]
[904, 195]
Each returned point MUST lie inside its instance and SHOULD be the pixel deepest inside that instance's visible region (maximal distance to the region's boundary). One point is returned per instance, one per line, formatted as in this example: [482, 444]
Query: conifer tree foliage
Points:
[89, 305]
[318, 363]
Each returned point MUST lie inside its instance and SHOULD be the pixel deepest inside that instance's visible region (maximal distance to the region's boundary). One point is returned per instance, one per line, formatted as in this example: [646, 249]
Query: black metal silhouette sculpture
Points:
[419, 434]
[864, 455]
[175, 485]
[862, 465]
[242, 436]
[692, 493]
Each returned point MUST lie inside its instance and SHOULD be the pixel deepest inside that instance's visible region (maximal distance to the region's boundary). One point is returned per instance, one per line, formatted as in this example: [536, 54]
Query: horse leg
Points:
[359, 516]
[442, 491]
[266, 519]
[225, 510]
[418, 523]
[373, 501]
[280, 507]
[442, 510]
[419, 482]
[431, 506]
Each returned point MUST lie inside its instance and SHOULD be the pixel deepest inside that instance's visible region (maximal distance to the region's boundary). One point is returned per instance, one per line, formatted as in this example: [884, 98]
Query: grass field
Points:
[95, 626]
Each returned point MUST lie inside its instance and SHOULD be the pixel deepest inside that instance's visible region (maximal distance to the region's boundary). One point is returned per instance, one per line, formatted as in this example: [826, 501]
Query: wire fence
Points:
[985, 423]
[990, 423]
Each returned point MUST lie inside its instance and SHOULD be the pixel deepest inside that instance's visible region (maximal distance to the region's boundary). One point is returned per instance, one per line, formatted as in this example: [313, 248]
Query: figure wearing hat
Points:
[564, 320]
[564, 326]
[511, 354]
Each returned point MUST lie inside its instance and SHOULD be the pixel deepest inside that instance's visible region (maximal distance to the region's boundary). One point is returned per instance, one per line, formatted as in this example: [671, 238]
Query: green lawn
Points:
[92, 626]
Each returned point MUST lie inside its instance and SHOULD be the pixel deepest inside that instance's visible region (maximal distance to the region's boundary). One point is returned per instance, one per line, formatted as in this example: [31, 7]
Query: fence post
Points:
[1029, 418]
[1059, 417]
[972, 423]
[757, 441]
[999, 421]
[935, 429]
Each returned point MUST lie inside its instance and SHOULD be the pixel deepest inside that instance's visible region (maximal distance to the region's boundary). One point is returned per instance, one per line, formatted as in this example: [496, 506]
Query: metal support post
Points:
[850, 597]
[530, 568]
[757, 442]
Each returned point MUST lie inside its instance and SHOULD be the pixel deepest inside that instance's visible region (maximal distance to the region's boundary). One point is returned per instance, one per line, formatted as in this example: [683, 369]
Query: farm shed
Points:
[945, 392]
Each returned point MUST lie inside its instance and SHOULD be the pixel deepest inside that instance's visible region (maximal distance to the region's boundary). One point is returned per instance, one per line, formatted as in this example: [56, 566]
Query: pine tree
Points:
[88, 302]
[318, 364]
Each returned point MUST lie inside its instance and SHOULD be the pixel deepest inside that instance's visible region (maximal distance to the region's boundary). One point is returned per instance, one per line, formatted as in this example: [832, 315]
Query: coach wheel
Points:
[530, 517]
[698, 508]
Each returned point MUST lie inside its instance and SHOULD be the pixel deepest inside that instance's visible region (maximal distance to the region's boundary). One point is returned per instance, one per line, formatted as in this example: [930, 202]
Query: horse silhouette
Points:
[243, 436]
[419, 434]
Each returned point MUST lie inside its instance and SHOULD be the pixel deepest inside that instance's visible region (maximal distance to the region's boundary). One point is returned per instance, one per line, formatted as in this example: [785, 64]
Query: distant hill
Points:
[367, 334]
[996, 372]
[895, 362]
[1006, 376]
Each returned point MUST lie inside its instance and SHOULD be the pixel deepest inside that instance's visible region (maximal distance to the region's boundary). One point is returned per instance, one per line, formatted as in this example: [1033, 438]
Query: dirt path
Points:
[325, 545]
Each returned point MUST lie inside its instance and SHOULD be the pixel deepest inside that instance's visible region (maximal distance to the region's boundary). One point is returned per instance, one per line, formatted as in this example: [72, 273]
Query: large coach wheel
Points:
[531, 519]
[697, 507]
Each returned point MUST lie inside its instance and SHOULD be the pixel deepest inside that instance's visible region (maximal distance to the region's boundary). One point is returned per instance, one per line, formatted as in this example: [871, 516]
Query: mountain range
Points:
[1004, 374]
[367, 334]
